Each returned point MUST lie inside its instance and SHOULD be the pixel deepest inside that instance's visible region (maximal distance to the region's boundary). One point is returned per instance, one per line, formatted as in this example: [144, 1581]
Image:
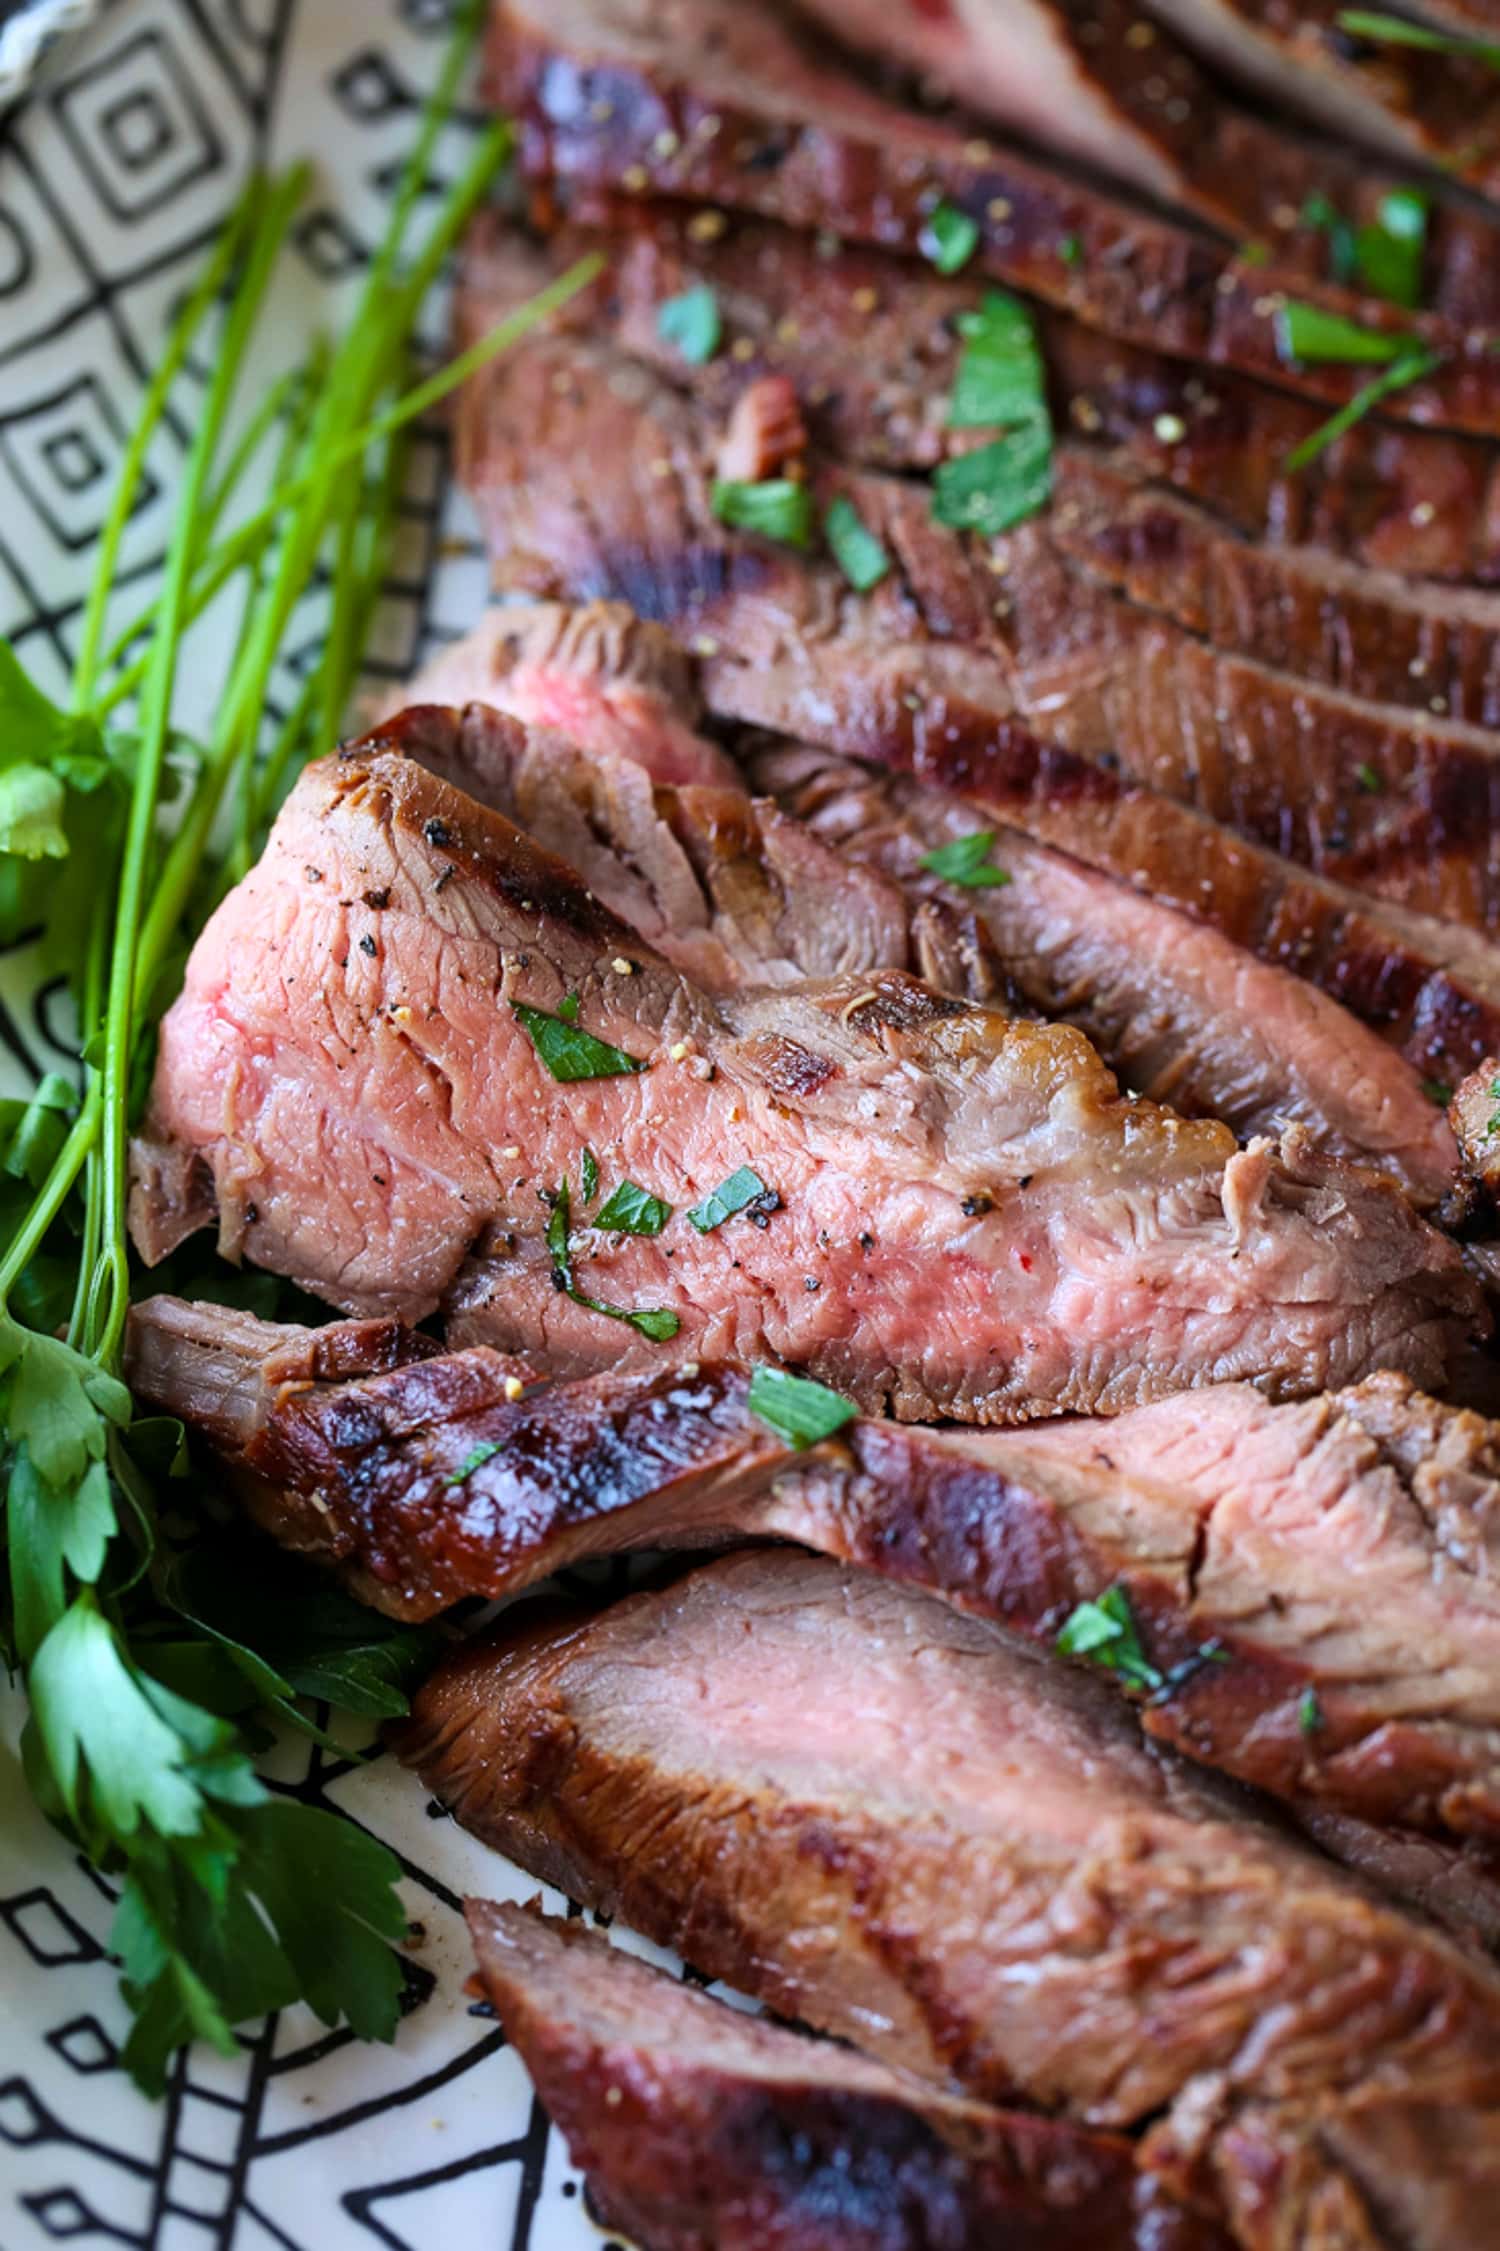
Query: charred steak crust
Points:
[698, 2124]
[1310, 1582]
[696, 100]
[899, 1826]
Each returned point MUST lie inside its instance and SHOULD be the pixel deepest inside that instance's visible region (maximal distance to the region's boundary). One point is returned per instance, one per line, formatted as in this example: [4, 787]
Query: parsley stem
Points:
[127, 484]
[246, 540]
[125, 979]
[65, 1169]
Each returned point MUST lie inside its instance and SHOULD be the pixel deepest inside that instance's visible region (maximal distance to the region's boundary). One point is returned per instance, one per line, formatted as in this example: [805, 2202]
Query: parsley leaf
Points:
[633, 1210]
[996, 486]
[803, 1412]
[1389, 253]
[656, 1322]
[1311, 334]
[692, 323]
[1105, 1632]
[858, 553]
[1399, 31]
[1309, 1712]
[1001, 377]
[743, 1191]
[949, 239]
[568, 1051]
[777, 508]
[589, 1170]
[966, 860]
[1368, 778]
[32, 803]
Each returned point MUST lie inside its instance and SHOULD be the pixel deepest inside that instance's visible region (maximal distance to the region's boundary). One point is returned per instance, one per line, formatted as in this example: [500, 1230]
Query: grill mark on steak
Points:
[870, 341]
[696, 2123]
[294, 1060]
[1342, 1547]
[1086, 78]
[905, 1828]
[1406, 808]
[682, 100]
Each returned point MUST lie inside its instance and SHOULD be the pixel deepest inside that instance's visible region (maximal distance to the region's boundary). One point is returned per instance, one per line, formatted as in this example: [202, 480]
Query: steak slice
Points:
[972, 1220]
[730, 891]
[903, 1827]
[1442, 109]
[698, 99]
[1474, 1111]
[695, 2123]
[1336, 1555]
[727, 889]
[1369, 794]
[1087, 79]
[869, 339]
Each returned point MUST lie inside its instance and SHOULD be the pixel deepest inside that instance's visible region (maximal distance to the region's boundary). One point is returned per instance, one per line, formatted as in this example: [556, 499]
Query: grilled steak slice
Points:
[593, 673]
[901, 1826]
[697, 2124]
[1474, 1111]
[869, 339]
[1176, 1011]
[1090, 80]
[1359, 791]
[1334, 1553]
[729, 891]
[699, 99]
[973, 1220]
[1442, 109]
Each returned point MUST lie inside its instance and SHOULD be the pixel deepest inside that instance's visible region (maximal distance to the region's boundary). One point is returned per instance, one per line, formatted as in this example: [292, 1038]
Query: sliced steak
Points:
[594, 673]
[1178, 1010]
[730, 890]
[870, 342]
[1335, 1556]
[903, 1827]
[700, 99]
[972, 1219]
[1442, 109]
[1090, 79]
[1475, 1113]
[1407, 808]
[697, 2124]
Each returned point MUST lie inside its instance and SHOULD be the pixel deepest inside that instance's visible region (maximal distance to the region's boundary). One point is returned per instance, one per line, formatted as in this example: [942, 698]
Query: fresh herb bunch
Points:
[145, 1655]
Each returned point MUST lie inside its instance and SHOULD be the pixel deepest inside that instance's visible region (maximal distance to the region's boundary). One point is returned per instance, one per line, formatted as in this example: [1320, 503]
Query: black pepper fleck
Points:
[972, 1206]
[367, 945]
[437, 832]
[376, 900]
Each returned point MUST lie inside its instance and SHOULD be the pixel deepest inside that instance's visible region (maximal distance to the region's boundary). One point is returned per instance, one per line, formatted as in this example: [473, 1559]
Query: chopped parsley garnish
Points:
[633, 1210]
[856, 550]
[1106, 1633]
[1318, 212]
[568, 1051]
[949, 239]
[1397, 31]
[656, 1322]
[777, 508]
[589, 1169]
[1001, 378]
[1389, 254]
[1368, 779]
[1313, 335]
[692, 323]
[476, 1460]
[1493, 1091]
[1309, 1712]
[1438, 1091]
[742, 1191]
[1405, 371]
[805, 1413]
[966, 860]
[1070, 250]
[998, 485]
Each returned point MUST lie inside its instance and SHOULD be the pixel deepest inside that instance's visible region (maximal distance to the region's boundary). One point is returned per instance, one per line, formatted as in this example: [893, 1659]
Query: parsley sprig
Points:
[144, 1666]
